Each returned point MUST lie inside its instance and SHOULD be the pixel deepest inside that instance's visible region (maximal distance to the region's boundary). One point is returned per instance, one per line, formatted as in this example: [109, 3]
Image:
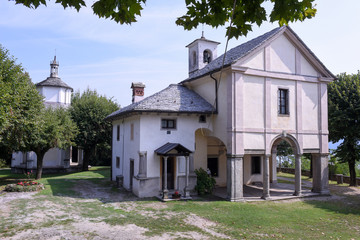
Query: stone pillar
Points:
[274, 166]
[142, 164]
[266, 177]
[191, 165]
[234, 170]
[186, 189]
[297, 175]
[165, 190]
[320, 173]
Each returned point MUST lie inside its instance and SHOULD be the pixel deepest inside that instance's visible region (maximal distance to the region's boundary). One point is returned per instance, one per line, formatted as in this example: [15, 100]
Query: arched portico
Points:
[292, 141]
[210, 154]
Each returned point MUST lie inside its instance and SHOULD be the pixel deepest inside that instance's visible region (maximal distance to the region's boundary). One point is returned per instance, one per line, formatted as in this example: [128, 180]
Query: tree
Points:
[54, 128]
[344, 119]
[284, 150]
[88, 110]
[244, 14]
[20, 104]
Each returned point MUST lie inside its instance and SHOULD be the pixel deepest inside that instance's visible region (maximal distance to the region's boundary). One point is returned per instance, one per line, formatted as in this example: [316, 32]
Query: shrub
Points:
[205, 183]
[3, 163]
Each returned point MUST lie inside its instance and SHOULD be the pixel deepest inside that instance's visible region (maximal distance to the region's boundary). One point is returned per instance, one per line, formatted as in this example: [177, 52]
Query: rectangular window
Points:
[118, 132]
[117, 162]
[283, 101]
[132, 131]
[255, 165]
[168, 123]
[213, 166]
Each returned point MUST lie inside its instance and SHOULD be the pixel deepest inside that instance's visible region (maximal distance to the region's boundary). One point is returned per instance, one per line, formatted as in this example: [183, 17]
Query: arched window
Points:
[194, 59]
[207, 56]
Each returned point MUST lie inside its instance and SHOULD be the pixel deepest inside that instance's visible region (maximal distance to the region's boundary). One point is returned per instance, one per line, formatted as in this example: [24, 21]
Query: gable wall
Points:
[276, 65]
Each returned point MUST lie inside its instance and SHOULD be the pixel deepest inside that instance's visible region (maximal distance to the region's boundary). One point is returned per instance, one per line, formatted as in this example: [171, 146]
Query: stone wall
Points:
[333, 177]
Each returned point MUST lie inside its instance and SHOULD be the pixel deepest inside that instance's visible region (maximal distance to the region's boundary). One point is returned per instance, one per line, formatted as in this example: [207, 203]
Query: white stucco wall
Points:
[282, 55]
[306, 68]
[153, 137]
[310, 105]
[55, 94]
[52, 159]
[51, 94]
[253, 92]
[255, 61]
[205, 87]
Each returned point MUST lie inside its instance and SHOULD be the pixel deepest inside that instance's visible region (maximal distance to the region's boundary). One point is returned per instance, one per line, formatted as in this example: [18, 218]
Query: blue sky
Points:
[102, 55]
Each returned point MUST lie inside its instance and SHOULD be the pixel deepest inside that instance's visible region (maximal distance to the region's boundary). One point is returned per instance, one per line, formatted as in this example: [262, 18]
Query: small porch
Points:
[169, 154]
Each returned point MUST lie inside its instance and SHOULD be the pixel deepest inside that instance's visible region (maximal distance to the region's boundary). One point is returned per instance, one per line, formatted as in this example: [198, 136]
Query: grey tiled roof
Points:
[167, 147]
[175, 98]
[53, 82]
[233, 54]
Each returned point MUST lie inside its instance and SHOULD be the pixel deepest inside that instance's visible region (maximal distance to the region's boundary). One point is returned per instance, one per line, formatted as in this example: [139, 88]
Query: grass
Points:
[60, 206]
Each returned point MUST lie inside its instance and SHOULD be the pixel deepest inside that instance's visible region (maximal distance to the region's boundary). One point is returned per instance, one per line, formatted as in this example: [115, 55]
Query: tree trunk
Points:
[85, 166]
[352, 171]
[39, 164]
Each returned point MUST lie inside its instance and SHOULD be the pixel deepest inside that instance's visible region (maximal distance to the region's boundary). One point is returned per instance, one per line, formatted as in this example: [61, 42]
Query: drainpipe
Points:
[216, 92]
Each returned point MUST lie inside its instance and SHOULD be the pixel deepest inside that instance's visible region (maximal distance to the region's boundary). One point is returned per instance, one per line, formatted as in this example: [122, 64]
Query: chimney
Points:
[138, 91]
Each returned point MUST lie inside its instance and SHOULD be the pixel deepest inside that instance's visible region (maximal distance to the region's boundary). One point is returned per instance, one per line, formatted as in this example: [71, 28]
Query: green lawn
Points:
[61, 205]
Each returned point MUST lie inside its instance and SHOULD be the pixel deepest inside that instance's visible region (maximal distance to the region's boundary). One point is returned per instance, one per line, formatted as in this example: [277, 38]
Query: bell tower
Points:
[201, 52]
[54, 67]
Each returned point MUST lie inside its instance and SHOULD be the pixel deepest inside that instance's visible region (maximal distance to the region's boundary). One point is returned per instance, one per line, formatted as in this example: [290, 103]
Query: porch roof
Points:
[165, 150]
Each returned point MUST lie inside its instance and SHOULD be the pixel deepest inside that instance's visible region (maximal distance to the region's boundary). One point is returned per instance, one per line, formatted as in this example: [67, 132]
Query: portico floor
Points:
[278, 191]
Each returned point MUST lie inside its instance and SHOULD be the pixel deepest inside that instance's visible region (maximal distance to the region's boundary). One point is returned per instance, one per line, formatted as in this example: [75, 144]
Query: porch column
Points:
[297, 175]
[186, 189]
[320, 173]
[191, 165]
[165, 190]
[266, 177]
[274, 166]
[234, 167]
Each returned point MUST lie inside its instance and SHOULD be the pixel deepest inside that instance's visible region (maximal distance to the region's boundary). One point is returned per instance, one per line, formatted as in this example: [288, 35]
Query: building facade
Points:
[56, 94]
[228, 119]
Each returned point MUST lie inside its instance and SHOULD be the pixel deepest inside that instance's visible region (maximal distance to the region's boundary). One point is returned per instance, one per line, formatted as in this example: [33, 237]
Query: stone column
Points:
[274, 166]
[320, 173]
[186, 189]
[165, 190]
[234, 167]
[297, 175]
[266, 177]
[191, 165]
[142, 164]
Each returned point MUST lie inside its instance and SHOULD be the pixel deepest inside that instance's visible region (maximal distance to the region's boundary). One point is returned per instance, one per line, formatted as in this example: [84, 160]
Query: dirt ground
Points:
[74, 225]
